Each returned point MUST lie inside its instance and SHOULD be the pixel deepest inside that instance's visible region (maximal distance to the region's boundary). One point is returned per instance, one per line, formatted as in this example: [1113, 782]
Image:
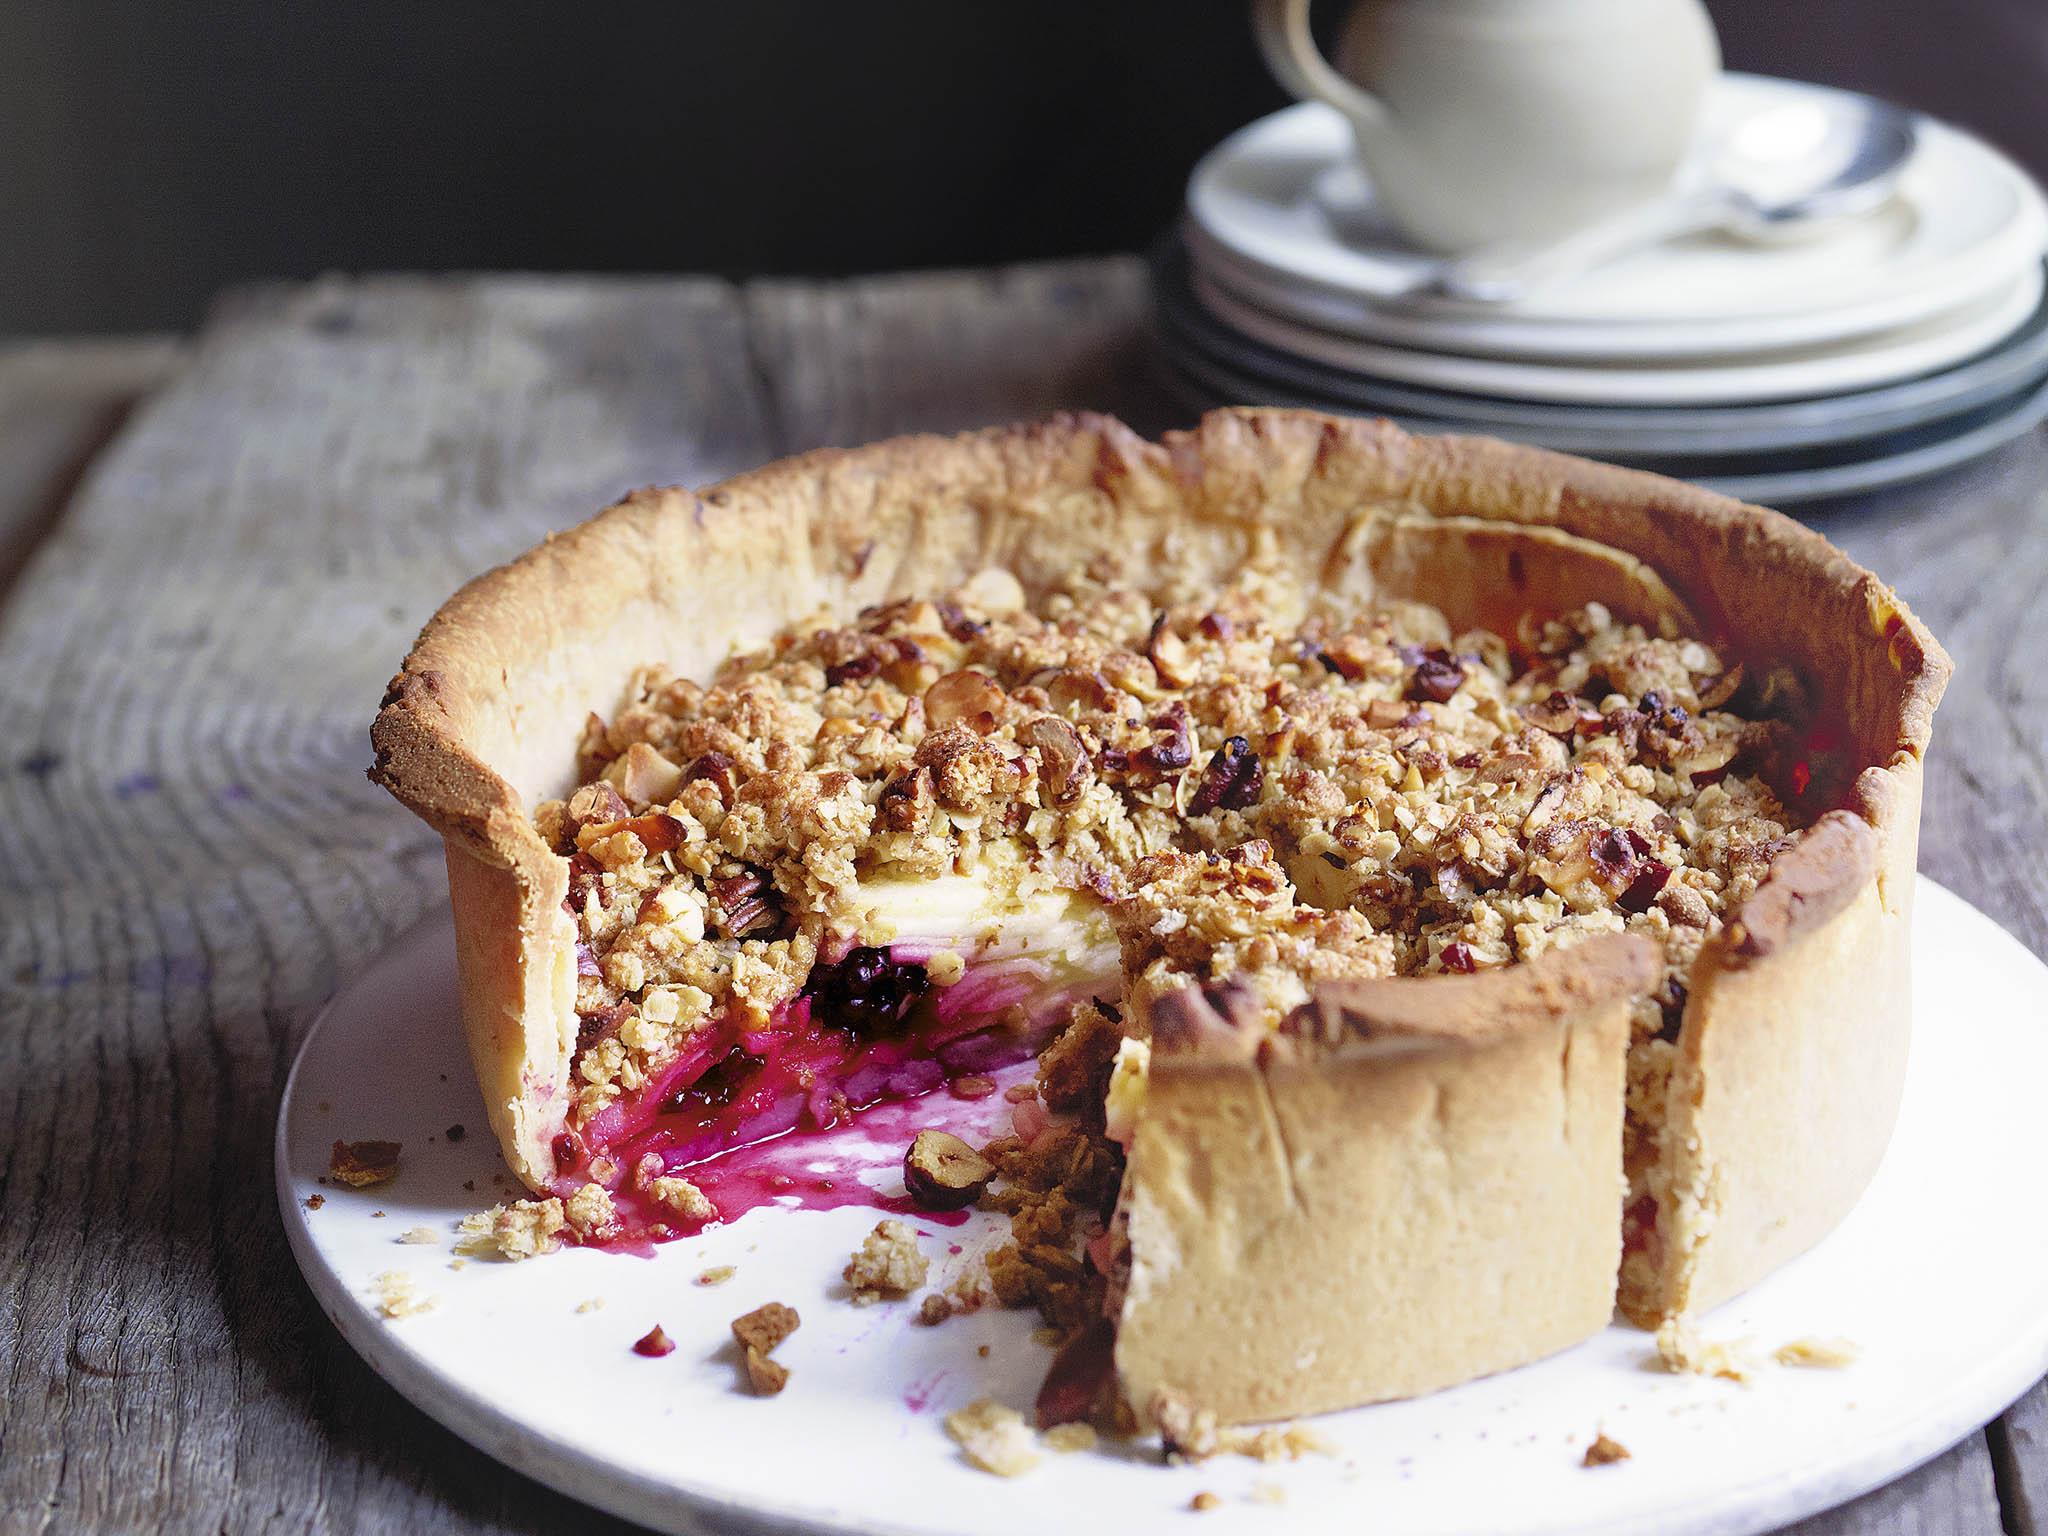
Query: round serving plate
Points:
[1939, 1278]
[1883, 358]
[1199, 340]
[1284, 203]
[1781, 479]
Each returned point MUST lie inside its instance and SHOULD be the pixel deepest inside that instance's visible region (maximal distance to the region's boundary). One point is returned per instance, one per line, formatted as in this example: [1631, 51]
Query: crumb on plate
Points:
[994, 1438]
[888, 1263]
[360, 1164]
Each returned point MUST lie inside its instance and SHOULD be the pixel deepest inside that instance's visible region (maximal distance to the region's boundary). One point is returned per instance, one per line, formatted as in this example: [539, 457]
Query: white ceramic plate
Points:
[1282, 204]
[1772, 478]
[1205, 347]
[1940, 1275]
[1798, 373]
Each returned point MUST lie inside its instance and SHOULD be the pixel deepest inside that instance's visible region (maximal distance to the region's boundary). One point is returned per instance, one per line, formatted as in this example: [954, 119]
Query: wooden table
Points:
[201, 610]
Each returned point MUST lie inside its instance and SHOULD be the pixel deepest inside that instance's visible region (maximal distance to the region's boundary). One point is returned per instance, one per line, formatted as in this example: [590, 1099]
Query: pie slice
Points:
[1449, 887]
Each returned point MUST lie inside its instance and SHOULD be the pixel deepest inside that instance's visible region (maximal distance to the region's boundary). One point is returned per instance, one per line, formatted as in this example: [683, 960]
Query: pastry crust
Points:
[1792, 1046]
[1412, 1183]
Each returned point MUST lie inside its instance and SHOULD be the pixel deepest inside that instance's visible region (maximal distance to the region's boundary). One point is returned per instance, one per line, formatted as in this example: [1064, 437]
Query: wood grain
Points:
[191, 860]
[60, 402]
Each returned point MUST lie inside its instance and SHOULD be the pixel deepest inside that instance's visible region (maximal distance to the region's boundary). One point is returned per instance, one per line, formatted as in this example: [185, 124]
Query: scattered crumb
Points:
[376, 1215]
[1604, 1452]
[359, 1164]
[1818, 1354]
[1066, 1438]
[458, 1263]
[470, 1185]
[682, 1198]
[766, 1326]
[654, 1343]
[1680, 1349]
[996, 1439]
[455, 1133]
[521, 1230]
[315, 1200]
[590, 1212]
[590, 1304]
[718, 1274]
[419, 1236]
[945, 967]
[1204, 1501]
[1268, 1493]
[982, 1351]
[765, 1377]
[1192, 1434]
[397, 1297]
[326, 1107]
[887, 1263]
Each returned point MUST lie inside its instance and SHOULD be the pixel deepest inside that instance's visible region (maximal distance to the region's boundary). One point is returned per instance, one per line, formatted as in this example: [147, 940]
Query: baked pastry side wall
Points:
[1316, 1226]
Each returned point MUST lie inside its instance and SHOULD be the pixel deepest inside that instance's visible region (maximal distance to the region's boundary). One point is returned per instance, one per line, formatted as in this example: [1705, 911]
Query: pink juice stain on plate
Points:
[857, 1163]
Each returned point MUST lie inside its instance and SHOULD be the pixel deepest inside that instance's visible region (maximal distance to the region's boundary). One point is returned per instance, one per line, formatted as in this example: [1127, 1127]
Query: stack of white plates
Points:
[1875, 352]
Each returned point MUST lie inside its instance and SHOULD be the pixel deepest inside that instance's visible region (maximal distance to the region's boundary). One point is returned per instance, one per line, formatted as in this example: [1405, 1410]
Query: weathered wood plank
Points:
[1953, 1495]
[2019, 1451]
[60, 403]
[190, 857]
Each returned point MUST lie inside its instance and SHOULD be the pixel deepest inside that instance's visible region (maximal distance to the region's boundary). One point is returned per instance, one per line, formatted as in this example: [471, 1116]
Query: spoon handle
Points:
[1503, 273]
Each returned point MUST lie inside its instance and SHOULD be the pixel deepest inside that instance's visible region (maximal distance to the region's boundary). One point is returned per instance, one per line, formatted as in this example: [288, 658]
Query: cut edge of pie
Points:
[1791, 1050]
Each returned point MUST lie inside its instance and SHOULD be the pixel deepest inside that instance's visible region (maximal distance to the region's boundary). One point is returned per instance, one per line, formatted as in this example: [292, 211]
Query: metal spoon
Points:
[1783, 174]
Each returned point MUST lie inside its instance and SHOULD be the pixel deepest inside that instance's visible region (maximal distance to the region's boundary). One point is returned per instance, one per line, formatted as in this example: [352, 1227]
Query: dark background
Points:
[150, 152]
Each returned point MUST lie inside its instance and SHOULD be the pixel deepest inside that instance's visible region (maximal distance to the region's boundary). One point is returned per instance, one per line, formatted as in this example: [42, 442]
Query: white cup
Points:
[1482, 121]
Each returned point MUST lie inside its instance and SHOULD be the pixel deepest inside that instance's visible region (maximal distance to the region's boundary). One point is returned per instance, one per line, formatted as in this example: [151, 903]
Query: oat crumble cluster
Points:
[1261, 786]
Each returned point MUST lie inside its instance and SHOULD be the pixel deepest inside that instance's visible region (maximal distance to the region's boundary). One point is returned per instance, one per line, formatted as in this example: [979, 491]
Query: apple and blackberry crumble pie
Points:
[1447, 885]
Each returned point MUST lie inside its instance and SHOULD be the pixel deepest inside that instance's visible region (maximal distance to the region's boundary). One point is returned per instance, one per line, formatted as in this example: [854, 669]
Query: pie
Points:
[1452, 889]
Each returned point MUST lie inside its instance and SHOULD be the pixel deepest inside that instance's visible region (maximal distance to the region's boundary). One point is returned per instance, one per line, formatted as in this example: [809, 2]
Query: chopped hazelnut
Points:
[943, 1173]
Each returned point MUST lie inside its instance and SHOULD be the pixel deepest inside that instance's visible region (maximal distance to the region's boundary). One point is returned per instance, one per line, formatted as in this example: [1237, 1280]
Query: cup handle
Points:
[1291, 53]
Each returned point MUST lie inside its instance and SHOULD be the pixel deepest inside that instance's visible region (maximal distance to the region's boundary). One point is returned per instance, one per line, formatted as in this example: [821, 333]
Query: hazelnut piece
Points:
[943, 1173]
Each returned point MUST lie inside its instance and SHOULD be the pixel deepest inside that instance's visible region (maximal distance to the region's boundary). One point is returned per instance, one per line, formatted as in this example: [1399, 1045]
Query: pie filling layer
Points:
[970, 985]
[879, 858]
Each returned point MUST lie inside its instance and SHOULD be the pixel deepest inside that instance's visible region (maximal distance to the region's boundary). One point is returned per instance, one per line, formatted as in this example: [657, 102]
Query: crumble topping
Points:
[1604, 1452]
[765, 1377]
[758, 1333]
[765, 1327]
[1682, 1351]
[887, 1264]
[1192, 1434]
[398, 1296]
[361, 1164]
[996, 1439]
[1818, 1354]
[1261, 783]
[1066, 1439]
[520, 1230]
